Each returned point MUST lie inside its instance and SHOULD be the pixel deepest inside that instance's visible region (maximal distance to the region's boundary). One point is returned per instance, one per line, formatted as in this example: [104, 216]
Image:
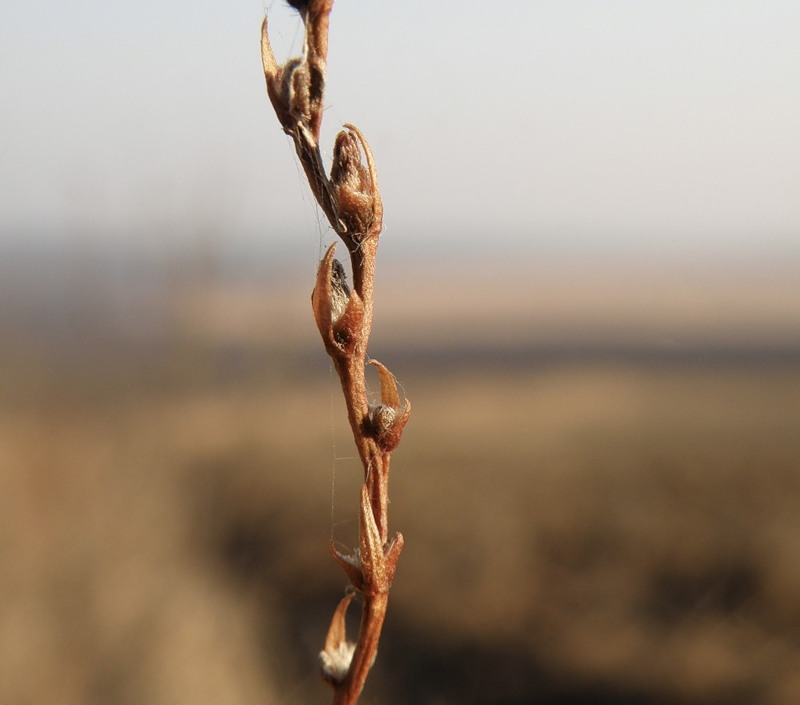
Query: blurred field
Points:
[599, 491]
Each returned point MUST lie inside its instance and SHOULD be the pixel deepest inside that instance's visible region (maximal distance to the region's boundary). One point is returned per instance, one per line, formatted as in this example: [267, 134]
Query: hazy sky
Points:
[602, 121]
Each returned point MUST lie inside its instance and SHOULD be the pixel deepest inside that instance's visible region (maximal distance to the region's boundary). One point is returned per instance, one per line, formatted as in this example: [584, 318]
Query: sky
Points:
[574, 123]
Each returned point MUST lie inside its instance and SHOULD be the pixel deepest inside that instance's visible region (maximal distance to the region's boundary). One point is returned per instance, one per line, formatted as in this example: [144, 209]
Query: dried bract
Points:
[336, 657]
[387, 420]
[338, 311]
[356, 186]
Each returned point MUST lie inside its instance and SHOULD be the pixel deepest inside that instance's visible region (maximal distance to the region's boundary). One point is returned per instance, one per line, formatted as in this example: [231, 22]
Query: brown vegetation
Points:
[581, 528]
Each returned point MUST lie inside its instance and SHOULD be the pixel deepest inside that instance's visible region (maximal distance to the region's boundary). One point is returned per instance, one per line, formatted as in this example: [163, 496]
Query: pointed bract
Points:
[377, 202]
[387, 420]
[389, 395]
[356, 187]
[351, 563]
[338, 311]
[336, 657]
[321, 297]
[373, 562]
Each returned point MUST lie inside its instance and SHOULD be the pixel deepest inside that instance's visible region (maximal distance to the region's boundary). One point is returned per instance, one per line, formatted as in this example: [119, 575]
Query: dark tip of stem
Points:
[299, 5]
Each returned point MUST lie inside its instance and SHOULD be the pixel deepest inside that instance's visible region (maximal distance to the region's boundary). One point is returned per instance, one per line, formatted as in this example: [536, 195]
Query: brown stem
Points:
[378, 490]
[373, 613]
[311, 160]
[351, 201]
[362, 260]
[376, 463]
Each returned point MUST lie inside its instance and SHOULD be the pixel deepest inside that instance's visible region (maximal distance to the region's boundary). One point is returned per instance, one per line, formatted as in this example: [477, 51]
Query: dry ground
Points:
[580, 528]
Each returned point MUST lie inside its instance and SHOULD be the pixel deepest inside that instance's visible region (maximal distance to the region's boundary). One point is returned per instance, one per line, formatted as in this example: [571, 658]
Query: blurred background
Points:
[588, 284]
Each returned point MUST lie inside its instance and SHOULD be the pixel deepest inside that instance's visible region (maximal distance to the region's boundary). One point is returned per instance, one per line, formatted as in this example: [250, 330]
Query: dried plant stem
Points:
[351, 201]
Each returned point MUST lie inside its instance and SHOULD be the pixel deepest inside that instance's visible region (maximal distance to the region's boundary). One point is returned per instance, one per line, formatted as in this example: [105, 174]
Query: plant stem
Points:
[351, 201]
